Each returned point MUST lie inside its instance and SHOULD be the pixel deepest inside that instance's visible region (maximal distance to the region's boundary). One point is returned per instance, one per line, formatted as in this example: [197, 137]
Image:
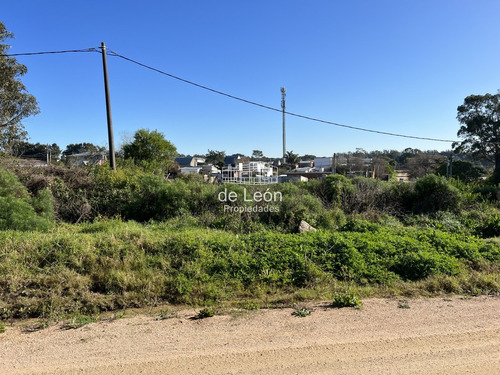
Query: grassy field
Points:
[110, 264]
[86, 241]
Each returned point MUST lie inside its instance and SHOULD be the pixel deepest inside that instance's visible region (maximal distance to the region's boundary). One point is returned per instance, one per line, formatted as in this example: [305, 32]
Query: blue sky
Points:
[391, 65]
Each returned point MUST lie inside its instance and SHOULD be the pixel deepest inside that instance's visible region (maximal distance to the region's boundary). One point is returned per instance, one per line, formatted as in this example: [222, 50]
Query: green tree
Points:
[150, 150]
[463, 170]
[257, 154]
[480, 130]
[36, 150]
[292, 158]
[79, 148]
[216, 158]
[16, 103]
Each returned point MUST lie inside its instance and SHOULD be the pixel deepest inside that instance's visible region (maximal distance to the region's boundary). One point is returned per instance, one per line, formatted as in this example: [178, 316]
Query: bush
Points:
[18, 210]
[434, 193]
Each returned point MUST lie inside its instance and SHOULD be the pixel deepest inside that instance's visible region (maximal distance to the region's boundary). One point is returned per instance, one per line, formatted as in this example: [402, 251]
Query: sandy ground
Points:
[433, 336]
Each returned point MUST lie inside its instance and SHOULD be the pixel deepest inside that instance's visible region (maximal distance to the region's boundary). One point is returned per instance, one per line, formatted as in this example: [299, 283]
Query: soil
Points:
[453, 335]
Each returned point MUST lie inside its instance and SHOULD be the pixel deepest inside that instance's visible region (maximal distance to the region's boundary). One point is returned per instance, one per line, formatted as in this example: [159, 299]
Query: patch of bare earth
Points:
[432, 336]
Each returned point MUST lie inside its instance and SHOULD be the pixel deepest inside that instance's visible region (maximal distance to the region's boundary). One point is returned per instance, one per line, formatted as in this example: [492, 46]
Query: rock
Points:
[305, 227]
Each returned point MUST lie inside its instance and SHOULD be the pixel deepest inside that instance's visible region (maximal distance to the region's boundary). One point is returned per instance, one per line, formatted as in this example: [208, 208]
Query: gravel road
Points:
[433, 336]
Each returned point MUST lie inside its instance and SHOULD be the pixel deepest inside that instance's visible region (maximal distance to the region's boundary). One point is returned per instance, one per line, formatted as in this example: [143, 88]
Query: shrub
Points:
[18, 210]
[434, 193]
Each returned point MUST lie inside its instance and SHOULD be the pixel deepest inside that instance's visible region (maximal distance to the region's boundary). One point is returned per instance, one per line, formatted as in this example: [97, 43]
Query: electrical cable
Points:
[49, 52]
[112, 53]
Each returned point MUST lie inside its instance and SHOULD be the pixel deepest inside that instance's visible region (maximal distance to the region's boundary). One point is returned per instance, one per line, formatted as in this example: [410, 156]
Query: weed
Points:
[79, 321]
[302, 312]
[2, 327]
[205, 313]
[347, 299]
[249, 305]
[403, 305]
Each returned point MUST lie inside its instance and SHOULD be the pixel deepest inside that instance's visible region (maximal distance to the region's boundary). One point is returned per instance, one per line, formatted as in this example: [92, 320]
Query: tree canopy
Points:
[37, 150]
[480, 130]
[150, 150]
[79, 148]
[16, 103]
[216, 158]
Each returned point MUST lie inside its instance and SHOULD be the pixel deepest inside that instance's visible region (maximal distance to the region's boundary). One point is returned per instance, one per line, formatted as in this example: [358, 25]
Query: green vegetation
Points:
[132, 239]
[205, 313]
[346, 300]
[301, 313]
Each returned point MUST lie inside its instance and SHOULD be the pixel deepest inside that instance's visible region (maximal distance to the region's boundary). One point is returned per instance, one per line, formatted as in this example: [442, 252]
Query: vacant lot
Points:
[422, 336]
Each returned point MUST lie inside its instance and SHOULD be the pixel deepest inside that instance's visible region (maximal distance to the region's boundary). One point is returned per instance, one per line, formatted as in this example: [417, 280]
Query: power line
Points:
[49, 52]
[112, 53]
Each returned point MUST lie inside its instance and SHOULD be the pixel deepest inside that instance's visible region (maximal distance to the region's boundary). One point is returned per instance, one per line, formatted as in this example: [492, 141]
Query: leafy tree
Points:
[307, 157]
[216, 158]
[463, 170]
[257, 154]
[79, 148]
[480, 130]
[16, 103]
[150, 150]
[36, 150]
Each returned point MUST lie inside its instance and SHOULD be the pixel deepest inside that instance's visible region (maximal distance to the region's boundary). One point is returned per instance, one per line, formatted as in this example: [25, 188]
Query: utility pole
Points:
[108, 109]
[283, 96]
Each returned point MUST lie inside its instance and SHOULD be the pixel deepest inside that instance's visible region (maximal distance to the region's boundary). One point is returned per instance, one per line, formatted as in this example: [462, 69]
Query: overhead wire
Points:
[310, 118]
[49, 52]
[112, 53]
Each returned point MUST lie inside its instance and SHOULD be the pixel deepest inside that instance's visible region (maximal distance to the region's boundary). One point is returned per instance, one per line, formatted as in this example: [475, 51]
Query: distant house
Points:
[402, 175]
[87, 158]
[325, 163]
[191, 170]
[306, 164]
[235, 161]
[187, 161]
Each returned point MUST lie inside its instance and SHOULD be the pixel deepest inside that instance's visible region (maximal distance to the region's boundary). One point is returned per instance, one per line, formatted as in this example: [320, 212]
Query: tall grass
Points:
[112, 264]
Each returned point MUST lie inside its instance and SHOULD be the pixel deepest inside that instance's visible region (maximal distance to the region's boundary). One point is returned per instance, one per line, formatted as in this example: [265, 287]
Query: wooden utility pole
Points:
[108, 109]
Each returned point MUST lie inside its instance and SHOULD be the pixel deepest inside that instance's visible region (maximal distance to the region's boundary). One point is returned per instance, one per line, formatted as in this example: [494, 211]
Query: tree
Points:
[480, 130]
[16, 103]
[80, 148]
[423, 164]
[37, 150]
[216, 158]
[463, 170]
[291, 157]
[257, 154]
[150, 150]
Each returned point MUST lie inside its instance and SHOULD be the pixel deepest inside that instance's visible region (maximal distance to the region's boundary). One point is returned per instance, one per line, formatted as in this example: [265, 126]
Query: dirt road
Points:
[432, 336]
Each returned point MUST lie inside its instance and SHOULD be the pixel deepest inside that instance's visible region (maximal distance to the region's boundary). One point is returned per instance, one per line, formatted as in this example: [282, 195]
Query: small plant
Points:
[250, 306]
[205, 313]
[2, 327]
[346, 300]
[403, 305]
[301, 313]
[79, 321]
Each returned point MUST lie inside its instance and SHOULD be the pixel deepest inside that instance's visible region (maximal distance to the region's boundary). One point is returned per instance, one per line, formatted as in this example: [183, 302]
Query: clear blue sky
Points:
[391, 65]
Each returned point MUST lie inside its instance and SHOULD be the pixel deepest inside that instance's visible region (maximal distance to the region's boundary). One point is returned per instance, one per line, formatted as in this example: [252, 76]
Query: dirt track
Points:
[437, 336]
